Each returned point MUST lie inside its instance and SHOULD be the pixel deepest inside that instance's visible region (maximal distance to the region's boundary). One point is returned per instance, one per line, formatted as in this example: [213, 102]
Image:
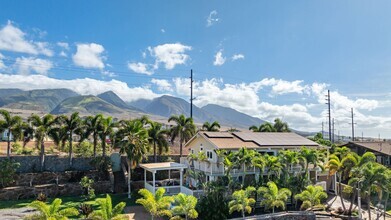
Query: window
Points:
[209, 154]
[192, 151]
[201, 148]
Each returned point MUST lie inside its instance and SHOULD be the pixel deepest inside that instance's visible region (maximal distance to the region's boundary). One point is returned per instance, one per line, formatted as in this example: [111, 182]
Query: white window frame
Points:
[209, 152]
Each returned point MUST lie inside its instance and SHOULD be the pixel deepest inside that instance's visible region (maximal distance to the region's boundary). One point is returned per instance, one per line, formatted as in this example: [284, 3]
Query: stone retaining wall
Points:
[51, 190]
[283, 215]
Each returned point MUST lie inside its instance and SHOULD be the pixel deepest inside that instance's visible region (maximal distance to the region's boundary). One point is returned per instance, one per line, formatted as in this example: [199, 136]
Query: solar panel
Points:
[275, 139]
[218, 134]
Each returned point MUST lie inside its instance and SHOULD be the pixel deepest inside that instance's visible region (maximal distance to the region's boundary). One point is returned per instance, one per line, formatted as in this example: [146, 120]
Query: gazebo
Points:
[154, 167]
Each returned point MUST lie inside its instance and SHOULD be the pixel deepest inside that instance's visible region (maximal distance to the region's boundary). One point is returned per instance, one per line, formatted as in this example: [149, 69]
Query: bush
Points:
[101, 163]
[16, 147]
[213, 205]
[42, 197]
[7, 171]
[85, 149]
[85, 209]
[86, 183]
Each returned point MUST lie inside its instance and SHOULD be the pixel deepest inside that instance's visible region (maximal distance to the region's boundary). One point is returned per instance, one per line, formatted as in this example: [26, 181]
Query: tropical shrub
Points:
[213, 205]
[101, 163]
[42, 197]
[85, 209]
[184, 206]
[312, 197]
[242, 201]
[106, 210]
[272, 197]
[157, 205]
[51, 211]
[8, 169]
[87, 183]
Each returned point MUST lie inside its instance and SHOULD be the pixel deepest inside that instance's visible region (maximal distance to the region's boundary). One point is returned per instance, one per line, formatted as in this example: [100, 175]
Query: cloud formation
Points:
[141, 68]
[212, 18]
[238, 56]
[31, 65]
[13, 39]
[219, 59]
[170, 54]
[89, 56]
[162, 85]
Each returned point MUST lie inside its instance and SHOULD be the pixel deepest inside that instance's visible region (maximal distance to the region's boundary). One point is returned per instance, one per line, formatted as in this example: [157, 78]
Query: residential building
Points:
[4, 136]
[381, 149]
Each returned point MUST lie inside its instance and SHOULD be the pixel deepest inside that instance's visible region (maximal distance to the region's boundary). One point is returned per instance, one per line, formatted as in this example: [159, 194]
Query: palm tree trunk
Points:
[104, 147]
[95, 144]
[9, 144]
[340, 193]
[369, 203]
[352, 201]
[70, 149]
[180, 149]
[42, 154]
[129, 185]
[243, 215]
[385, 204]
[154, 151]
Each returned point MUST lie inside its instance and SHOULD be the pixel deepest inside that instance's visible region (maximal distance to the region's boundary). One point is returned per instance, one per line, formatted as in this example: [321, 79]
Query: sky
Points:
[264, 58]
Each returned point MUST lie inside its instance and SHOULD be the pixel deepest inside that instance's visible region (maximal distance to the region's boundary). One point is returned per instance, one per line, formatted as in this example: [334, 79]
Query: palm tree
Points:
[310, 156]
[273, 197]
[9, 124]
[214, 126]
[245, 159]
[105, 130]
[106, 210]
[59, 136]
[71, 124]
[157, 205]
[281, 126]
[42, 128]
[92, 125]
[312, 197]
[184, 129]
[242, 201]
[184, 206]
[158, 138]
[273, 165]
[265, 127]
[134, 142]
[52, 211]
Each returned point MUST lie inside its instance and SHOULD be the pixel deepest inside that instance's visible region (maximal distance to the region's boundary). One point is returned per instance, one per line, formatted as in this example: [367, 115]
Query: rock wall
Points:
[285, 216]
[51, 190]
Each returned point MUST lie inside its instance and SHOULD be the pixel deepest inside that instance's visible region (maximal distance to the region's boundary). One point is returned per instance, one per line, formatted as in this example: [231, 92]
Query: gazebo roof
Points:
[162, 166]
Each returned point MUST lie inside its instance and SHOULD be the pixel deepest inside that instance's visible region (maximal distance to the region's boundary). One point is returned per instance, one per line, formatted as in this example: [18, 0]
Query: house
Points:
[381, 149]
[263, 142]
[4, 136]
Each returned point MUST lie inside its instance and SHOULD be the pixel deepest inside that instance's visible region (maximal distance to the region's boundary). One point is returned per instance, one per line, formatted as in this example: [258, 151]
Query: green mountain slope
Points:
[115, 100]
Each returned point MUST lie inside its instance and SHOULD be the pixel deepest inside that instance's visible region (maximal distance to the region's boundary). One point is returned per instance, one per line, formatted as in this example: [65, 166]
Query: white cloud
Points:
[219, 59]
[162, 84]
[108, 73]
[89, 56]
[212, 18]
[85, 86]
[63, 54]
[238, 57]
[2, 65]
[170, 54]
[13, 39]
[141, 68]
[162, 30]
[29, 65]
[63, 45]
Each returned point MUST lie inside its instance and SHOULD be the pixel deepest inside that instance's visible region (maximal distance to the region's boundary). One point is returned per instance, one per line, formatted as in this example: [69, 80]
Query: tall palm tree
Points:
[185, 205]
[42, 128]
[242, 201]
[245, 159]
[92, 125]
[52, 211]
[107, 211]
[158, 138]
[184, 129]
[281, 126]
[312, 197]
[214, 126]
[134, 142]
[105, 130]
[9, 124]
[157, 205]
[265, 127]
[273, 197]
[60, 136]
[273, 165]
[70, 124]
[311, 156]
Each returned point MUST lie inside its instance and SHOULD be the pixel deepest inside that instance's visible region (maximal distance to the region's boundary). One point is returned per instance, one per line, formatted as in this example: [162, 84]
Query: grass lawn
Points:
[74, 201]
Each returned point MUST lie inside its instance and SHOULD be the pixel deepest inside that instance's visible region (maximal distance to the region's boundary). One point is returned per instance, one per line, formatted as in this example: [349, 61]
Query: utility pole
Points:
[352, 124]
[328, 103]
[322, 130]
[333, 132]
[191, 93]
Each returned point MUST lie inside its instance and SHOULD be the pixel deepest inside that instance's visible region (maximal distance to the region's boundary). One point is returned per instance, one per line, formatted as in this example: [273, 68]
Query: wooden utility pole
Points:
[329, 108]
[191, 93]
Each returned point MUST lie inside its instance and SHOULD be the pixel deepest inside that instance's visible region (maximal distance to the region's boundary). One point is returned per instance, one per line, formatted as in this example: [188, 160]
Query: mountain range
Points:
[64, 101]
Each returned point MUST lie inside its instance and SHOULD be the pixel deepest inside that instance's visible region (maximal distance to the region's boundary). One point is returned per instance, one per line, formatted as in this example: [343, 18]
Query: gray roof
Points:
[275, 138]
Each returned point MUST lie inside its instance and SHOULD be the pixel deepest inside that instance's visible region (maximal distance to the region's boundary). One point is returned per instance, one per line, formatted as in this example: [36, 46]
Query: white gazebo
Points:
[154, 167]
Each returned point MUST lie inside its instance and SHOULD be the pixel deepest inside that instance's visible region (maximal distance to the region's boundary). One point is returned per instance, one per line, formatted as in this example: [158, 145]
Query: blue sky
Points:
[265, 58]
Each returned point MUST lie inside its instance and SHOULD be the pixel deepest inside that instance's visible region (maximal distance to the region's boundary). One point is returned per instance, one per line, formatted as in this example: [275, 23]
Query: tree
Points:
[213, 204]
[134, 142]
[52, 211]
[281, 126]
[71, 124]
[59, 136]
[245, 159]
[42, 127]
[157, 205]
[106, 127]
[242, 201]
[9, 124]
[106, 210]
[158, 139]
[272, 197]
[265, 127]
[310, 156]
[273, 165]
[92, 125]
[214, 126]
[312, 197]
[184, 206]
[184, 129]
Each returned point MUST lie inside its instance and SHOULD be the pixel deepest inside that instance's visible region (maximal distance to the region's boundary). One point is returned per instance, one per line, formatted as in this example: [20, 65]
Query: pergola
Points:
[154, 167]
